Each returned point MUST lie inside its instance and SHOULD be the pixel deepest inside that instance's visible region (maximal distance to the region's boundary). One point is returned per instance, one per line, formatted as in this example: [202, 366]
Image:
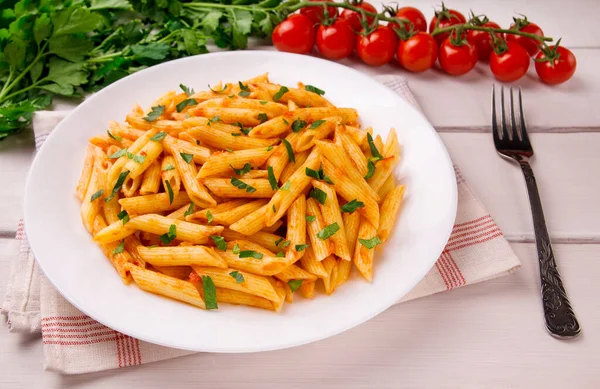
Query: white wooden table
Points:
[487, 335]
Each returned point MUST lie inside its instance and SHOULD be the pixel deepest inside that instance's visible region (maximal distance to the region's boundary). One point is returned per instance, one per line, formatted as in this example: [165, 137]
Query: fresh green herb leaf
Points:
[159, 136]
[327, 179]
[218, 91]
[314, 89]
[190, 209]
[119, 249]
[286, 186]
[352, 206]
[169, 236]
[285, 122]
[312, 173]
[286, 243]
[278, 241]
[328, 231]
[213, 119]
[153, 246]
[115, 137]
[118, 185]
[187, 157]
[123, 216]
[294, 285]
[270, 148]
[263, 102]
[370, 243]
[210, 293]
[96, 195]
[235, 134]
[301, 247]
[262, 117]
[136, 158]
[242, 185]
[280, 254]
[169, 191]
[371, 169]
[274, 209]
[185, 103]
[272, 179]
[250, 254]
[239, 277]
[236, 249]
[188, 91]
[245, 169]
[374, 152]
[118, 154]
[168, 167]
[154, 113]
[290, 150]
[318, 195]
[244, 130]
[311, 218]
[219, 242]
[316, 124]
[298, 124]
[244, 93]
[245, 90]
[282, 91]
[209, 217]
[229, 150]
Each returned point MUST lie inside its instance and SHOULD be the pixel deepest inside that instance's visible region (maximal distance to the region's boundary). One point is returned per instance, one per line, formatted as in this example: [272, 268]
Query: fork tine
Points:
[494, 121]
[513, 121]
[505, 132]
[524, 135]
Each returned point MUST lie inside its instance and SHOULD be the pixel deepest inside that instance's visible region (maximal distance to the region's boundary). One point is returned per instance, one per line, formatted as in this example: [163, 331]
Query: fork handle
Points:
[558, 313]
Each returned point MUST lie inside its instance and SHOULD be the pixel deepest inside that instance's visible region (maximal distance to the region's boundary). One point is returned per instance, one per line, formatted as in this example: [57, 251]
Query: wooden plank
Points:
[485, 335]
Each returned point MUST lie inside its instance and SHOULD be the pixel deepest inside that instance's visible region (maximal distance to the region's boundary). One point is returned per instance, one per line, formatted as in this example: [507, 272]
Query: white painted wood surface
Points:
[488, 335]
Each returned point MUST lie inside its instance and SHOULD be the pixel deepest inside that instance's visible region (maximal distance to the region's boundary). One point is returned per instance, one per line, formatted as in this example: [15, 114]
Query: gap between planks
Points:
[530, 129]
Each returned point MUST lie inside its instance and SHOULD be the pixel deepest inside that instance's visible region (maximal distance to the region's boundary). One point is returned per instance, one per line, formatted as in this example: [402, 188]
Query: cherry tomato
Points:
[418, 53]
[457, 60]
[483, 41]
[316, 13]
[447, 18]
[295, 34]
[557, 70]
[337, 40]
[377, 48]
[353, 17]
[414, 16]
[510, 65]
[531, 45]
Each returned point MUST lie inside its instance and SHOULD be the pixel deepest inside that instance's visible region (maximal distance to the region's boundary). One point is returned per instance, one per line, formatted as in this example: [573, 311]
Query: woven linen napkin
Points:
[75, 343]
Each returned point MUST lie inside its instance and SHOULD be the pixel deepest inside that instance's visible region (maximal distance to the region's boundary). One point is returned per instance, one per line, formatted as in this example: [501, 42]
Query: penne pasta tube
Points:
[236, 297]
[387, 187]
[351, 225]
[105, 142]
[265, 239]
[247, 117]
[333, 215]
[120, 259]
[135, 118]
[132, 243]
[200, 153]
[86, 173]
[216, 125]
[223, 141]
[185, 231]
[352, 150]
[266, 266]
[164, 285]
[251, 223]
[181, 256]
[269, 107]
[319, 247]
[224, 162]
[291, 167]
[170, 174]
[307, 289]
[359, 136]
[389, 212]
[383, 170]
[296, 229]
[299, 96]
[171, 127]
[181, 272]
[93, 198]
[281, 157]
[310, 263]
[252, 284]
[341, 273]
[273, 228]
[111, 210]
[236, 188]
[255, 174]
[308, 137]
[113, 232]
[294, 272]
[280, 289]
[363, 256]
[229, 217]
[180, 213]
[156, 203]
[140, 161]
[204, 214]
[151, 179]
[124, 131]
[131, 186]
[329, 263]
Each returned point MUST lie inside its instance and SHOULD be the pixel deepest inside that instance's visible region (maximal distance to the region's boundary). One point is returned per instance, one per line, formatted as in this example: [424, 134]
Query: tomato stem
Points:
[290, 7]
[468, 26]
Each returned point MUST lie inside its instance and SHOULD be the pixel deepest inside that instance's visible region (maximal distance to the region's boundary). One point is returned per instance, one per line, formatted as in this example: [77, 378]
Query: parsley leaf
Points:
[290, 150]
[374, 152]
[316, 124]
[118, 154]
[168, 167]
[371, 171]
[209, 217]
[318, 175]
[123, 216]
[170, 191]
[311, 218]
[185, 103]
[319, 195]
[155, 113]
[280, 254]
[263, 102]
[190, 209]
[278, 241]
[136, 158]
[285, 122]
[239, 278]
[314, 89]
[272, 179]
[214, 119]
[328, 231]
[298, 124]
[210, 293]
[115, 137]
[301, 247]
[352, 206]
[219, 242]
[169, 236]
[187, 157]
[118, 185]
[235, 134]
[120, 248]
[277, 96]
[286, 186]
[236, 249]
[286, 243]
[188, 91]
[96, 195]
[370, 243]
[270, 148]
[244, 130]
[250, 254]
[159, 136]
[262, 117]
[294, 285]
[245, 90]
[245, 169]
[242, 185]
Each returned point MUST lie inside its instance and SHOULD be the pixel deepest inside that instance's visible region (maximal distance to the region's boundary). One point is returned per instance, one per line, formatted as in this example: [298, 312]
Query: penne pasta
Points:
[170, 174]
[221, 140]
[294, 272]
[269, 107]
[251, 284]
[330, 264]
[319, 247]
[247, 117]
[185, 231]
[299, 96]
[225, 162]
[181, 256]
[352, 150]
[307, 289]
[389, 212]
[265, 239]
[120, 259]
[151, 179]
[180, 272]
[310, 263]
[332, 215]
[235, 188]
[93, 197]
[86, 173]
[139, 205]
[132, 244]
[296, 229]
[291, 167]
[363, 256]
[307, 139]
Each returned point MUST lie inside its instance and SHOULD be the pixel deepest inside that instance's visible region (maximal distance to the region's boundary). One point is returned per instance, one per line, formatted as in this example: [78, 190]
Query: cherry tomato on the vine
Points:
[414, 16]
[417, 53]
[336, 41]
[511, 64]
[557, 66]
[531, 45]
[378, 47]
[316, 13]
[457, 59]
[353, 17]
[295, 34]
[482, 40]
[447, 18]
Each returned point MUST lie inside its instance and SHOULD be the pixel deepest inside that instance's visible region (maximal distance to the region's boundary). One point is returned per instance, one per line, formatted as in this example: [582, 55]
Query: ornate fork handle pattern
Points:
[558, 313]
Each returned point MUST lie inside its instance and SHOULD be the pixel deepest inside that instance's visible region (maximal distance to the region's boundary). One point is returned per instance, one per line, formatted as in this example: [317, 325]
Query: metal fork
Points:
[512, 143]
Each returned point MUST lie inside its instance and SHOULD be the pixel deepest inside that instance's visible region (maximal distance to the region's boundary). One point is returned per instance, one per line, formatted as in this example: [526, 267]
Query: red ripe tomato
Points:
[295, 34]
[457, 60]
[483, 41]
[558, 69]
[447, 18]
[414, 16]
[316, 13]
[418, 53]
[531, 45]
[511, 64]
[377, 48]
[337, 40]
[353, 17]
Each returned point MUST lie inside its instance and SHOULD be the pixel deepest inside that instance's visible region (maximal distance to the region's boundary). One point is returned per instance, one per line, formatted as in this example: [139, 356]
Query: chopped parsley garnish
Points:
[371, 169]
[118, 185]
[374, 152]
[282, 91]
[187, 157]
[314, 89]
[370, 243]
[244, 130]
[118, 154]
[154, 113]
[214, 119]
[169, 191]
[236, 249]
[328, 231]
[168, 167]
[352, 206]
[262, 117]
[115, 137]
[209, 217]
[229, 150]
[96, 195]
[219, 242]
[210, 293]
[245, 169]
[316, 124]
[278, 241]
[239, 278]
[290, 150]
[318, 174]
[272, 179]
[123, 216]
[294, 285]
[188, 91]
[311, 218]
[286, 186]
[301, 247]
[236, 134]
[159, 136]
[120, 248]
[190, 209]
[250, 254]
[285, 122]
[185, 103]
[286, 243]
[136, 158]
[169, 236]
[242, 185]
[245, 90]
[270, 148]
[274, 209]
[318, 195]
[298, 124]
[280, 254]
[218, 91]
[263, 102]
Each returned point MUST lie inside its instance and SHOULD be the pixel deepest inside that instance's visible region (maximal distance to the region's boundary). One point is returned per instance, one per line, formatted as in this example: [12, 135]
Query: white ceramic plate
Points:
[82, 274]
